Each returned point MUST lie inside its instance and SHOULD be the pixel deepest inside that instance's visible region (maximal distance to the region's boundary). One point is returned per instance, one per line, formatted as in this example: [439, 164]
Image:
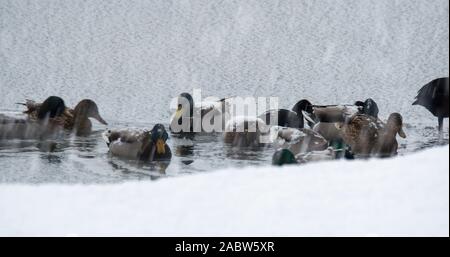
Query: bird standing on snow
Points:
[434, 97]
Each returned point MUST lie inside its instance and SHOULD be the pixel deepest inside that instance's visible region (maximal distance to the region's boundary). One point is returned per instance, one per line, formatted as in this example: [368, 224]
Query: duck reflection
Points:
[52, 158]
[139, 169]
[251, 153]
[184, 150]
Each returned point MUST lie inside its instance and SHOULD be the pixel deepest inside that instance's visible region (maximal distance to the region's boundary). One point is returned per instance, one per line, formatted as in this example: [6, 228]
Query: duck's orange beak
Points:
[160, 146]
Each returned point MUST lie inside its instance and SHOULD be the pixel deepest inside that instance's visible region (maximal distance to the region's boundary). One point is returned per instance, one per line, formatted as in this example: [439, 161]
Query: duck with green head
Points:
[183, 122]
[289, 118]
[139, 144]
[282, 157]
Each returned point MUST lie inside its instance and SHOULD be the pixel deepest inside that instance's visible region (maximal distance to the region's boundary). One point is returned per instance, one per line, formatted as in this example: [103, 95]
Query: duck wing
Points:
[299, 140]
[336, 113]
[281, 117]
[32, 109]
[127, 143]
[360, 132]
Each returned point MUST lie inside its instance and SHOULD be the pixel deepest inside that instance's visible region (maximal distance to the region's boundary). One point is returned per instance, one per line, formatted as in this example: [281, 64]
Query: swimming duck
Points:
[183, 119]
[298, 140]
[13, 128]
[282, 157]
[75, 120]
[246, 132]
[368, 136]
[285, 156]
[139, 144]
[51, 108]
[45, 124]
[386, 144]
[339, 113]
[434, 97]
[326, 117]
[328, 154]
[288, 118]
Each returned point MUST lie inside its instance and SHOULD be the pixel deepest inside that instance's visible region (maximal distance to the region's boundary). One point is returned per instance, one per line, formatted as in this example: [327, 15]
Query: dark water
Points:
[86, 159]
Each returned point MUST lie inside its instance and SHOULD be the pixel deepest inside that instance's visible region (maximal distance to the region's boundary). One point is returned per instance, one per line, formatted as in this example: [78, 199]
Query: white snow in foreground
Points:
[402, 196]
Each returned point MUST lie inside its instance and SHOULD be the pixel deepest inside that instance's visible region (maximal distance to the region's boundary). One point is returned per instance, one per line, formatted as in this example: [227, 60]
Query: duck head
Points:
[306, 106]
[395, 124]
[368, 107]
[282, 157]
[52, 107]
[159, 137]
[185, 104]
[88, 109]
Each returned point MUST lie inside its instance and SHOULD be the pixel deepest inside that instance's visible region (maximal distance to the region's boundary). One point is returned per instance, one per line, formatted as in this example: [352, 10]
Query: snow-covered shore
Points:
[402, 196]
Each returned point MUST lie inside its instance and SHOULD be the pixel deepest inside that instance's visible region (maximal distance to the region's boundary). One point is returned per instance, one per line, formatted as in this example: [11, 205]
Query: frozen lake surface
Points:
[133, 57]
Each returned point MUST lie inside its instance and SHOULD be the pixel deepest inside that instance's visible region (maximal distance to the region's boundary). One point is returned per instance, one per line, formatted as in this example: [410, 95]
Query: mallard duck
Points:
[44, 125]
[51, 108]
[325, 118]
[434, 97]
[75, 120]
[285, 156]
[386, 144]
[13, 128]
[288, 118]
[183, 120]
[298, 140]
[246, 132]
[139, 144]
[368, 136]
[328, 154]
[282, 157]
[339, 113]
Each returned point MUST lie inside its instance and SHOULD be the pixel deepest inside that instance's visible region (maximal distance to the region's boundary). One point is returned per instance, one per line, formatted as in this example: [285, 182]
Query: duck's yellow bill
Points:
[179, 113]
[160, 146]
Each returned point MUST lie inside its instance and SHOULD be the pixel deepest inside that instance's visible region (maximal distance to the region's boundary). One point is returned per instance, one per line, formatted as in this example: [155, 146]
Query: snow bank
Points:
[402, 196]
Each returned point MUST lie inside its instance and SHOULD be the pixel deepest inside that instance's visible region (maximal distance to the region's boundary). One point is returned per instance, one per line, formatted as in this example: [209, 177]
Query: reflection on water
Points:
[86, 159]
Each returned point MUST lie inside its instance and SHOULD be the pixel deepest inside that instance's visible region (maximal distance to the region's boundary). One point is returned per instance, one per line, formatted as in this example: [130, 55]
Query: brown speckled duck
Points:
[45, 123]
[75, 120]
[387, 144]
[368, 136]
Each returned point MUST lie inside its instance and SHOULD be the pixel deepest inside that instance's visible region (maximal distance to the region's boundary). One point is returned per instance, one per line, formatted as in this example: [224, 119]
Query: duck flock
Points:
[306, 133]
